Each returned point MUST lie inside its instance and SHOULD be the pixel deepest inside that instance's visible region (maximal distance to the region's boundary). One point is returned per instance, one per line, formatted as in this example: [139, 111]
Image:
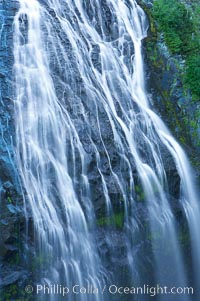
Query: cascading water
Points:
[82, 116]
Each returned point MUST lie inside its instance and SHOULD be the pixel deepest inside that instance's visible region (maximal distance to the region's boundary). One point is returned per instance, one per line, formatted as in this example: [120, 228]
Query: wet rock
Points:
[12, 278]
[12, 218]
[167, 90]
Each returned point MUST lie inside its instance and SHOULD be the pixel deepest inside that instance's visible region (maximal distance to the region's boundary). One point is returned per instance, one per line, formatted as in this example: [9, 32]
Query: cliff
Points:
[172, 57]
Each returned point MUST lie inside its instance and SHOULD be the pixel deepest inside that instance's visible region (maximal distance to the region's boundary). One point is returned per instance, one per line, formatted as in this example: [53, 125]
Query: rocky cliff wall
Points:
[167, 85]
[12, 222]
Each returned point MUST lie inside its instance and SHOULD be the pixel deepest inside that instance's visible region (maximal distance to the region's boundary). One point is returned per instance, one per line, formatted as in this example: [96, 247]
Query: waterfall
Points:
[87, 136]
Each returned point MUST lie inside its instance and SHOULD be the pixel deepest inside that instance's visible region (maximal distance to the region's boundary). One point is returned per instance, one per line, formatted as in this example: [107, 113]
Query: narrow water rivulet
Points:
[95, 160]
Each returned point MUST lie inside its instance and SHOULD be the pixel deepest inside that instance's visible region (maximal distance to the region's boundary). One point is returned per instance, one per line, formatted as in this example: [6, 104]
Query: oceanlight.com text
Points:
[76, 289]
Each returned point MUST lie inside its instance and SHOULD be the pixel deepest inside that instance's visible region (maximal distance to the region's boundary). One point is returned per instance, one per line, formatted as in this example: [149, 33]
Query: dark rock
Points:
[167, 89]
[12, 218]
[12, 278]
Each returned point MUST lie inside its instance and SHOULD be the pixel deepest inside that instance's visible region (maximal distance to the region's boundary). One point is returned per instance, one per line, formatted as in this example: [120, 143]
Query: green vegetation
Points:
[113, 220]
[174, 20]
[175, 78]
[14, 293]
[180, 26]
[192, 78]
[9, 199]
[140, 195]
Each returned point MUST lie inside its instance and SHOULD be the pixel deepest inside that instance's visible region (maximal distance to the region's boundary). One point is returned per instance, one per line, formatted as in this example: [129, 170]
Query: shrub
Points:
[180, 26]
[174, 20]
[193, 74]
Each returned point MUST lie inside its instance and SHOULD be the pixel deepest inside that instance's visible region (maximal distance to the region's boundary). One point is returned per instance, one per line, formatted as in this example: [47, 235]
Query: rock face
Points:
[167, 88]
[12, 223]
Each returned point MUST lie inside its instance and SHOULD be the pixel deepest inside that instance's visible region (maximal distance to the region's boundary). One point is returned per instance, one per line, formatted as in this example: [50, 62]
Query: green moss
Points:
[154, 237]
[113, 220]
[140, 195]
[9, 200]
[41, 261]
[15, 293]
